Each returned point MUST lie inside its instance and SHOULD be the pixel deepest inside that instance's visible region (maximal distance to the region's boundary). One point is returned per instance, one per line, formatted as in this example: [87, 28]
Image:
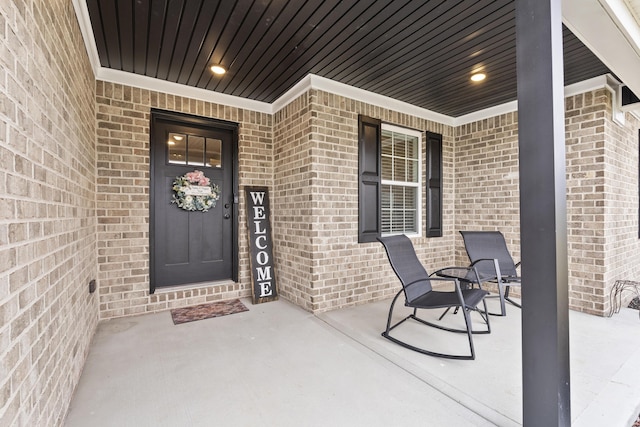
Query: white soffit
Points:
[609, 29]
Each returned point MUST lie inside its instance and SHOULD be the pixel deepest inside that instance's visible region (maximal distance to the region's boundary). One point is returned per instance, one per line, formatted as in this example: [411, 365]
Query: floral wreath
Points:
[194, 192]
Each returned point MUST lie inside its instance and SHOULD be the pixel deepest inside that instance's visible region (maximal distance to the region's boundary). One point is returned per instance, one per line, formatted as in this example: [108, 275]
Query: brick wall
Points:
[123, 118]
[602, 200]
[585, 120]
[317, 188]
[292, 201]
[47, 210]
[621, 206]
[602, 193]
[487, 180]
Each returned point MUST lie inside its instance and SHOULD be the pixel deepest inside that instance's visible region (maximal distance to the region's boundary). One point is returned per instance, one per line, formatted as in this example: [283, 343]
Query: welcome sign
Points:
[260, 245]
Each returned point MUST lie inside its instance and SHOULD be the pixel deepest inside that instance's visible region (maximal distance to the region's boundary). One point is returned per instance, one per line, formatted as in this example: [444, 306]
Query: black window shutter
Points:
[434, 185]
[369, 179]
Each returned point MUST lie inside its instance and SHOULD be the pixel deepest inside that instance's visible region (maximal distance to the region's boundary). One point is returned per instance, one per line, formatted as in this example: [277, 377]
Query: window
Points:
[401, 172]
[390, 181]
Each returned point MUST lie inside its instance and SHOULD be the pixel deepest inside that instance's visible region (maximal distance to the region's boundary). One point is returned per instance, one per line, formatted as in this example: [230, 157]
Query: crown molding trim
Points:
[150, 83]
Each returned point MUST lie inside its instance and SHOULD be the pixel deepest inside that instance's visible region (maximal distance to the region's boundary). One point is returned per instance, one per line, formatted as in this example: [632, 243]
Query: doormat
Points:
[635, 303]
[207, 311]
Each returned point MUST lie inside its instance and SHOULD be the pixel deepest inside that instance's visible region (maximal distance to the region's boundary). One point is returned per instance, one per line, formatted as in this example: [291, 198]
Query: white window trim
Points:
[419, 185]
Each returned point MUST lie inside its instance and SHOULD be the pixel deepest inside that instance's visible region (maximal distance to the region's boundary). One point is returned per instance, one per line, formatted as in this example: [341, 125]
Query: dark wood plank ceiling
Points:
[420, 52]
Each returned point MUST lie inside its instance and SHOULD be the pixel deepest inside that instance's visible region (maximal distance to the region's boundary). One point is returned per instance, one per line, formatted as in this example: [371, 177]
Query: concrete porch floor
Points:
[277, 365]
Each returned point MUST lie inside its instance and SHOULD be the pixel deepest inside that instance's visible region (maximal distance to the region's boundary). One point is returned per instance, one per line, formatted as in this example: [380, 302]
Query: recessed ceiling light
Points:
[218, 69]
[478, 77]
[178, 137]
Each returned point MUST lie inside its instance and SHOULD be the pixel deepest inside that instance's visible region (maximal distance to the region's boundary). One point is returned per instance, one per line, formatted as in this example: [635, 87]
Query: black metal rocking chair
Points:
[419, 294]
[488, 253]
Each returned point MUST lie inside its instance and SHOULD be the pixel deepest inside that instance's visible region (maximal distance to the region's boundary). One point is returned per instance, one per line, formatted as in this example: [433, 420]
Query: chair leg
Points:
[485, 316]
[445, 312]
[501, 291]
[503, 295]
[389, 327]
[506, 297]
[467, 321]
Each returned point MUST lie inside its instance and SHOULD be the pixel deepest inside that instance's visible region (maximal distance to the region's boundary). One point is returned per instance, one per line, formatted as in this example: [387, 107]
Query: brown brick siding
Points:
[585, 119]
[602, 193]
[292, 201]
[487, 183]
[602, 200]
[343, 271]
[622, 245]
[47, 210]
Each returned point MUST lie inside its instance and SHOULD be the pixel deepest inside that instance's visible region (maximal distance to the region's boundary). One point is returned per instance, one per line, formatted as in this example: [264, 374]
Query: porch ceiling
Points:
[416, 51]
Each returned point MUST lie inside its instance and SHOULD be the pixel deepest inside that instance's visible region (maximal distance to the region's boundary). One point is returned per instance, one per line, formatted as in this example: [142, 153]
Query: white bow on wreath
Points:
[194, 192]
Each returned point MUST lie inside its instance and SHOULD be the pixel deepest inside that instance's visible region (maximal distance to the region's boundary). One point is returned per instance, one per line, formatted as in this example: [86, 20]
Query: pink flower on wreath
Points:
[194, 176]
[197, 177]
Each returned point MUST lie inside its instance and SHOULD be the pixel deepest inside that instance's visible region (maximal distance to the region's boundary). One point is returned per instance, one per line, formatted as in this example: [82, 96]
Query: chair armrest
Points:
[455, 281]
[464, 274]
[454, 272]
[496, 268]
[441, 279]
[438, 279]
[483, 259]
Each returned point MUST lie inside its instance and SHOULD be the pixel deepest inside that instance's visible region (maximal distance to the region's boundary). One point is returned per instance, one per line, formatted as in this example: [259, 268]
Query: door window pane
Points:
[214, 153]
[195, 150]
[177, 148]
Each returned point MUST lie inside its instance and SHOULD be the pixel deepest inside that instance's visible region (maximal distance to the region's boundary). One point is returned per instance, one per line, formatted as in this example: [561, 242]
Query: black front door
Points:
[197, 245]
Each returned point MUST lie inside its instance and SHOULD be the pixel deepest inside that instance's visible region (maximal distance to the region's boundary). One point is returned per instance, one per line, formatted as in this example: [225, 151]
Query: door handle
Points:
[227, 216]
